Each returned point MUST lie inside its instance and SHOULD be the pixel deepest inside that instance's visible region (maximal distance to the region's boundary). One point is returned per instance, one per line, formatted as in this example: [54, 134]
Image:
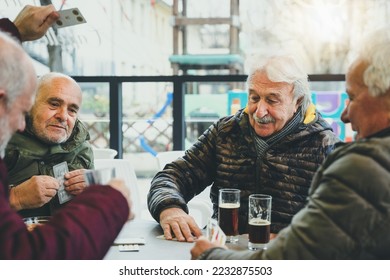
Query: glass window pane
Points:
[206, 102]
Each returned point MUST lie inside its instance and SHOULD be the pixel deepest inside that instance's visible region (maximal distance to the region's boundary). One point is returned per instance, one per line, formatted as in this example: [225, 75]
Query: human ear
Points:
[3, 96]
[297, 104]
[3, 102]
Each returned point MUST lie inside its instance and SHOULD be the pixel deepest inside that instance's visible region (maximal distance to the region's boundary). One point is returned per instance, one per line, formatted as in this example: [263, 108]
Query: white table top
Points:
[155, 248]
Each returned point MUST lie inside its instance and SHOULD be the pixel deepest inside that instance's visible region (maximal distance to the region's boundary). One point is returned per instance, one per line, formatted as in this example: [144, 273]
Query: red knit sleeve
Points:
[8, 26]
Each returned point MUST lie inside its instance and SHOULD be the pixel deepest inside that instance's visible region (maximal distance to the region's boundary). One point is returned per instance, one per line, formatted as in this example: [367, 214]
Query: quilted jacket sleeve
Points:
[348, 214]
[182, 179]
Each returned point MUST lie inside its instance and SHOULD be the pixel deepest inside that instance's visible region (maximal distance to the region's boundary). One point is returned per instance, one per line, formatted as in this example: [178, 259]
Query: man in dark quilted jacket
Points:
[272, 146]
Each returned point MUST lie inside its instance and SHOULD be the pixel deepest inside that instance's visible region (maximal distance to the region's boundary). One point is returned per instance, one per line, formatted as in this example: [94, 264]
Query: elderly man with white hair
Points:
[273, 147]
[88, 225]
[348, 212]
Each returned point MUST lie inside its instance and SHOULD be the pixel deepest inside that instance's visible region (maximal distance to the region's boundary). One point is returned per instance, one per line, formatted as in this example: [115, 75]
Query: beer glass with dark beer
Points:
[259, 221]
[228, 206]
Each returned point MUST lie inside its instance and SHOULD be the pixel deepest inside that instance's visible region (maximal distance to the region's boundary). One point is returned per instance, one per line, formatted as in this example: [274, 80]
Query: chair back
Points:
[103, 153]
[166, 157]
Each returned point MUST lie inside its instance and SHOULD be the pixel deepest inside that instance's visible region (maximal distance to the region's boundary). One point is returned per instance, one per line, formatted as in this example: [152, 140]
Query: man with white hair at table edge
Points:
[87, 226]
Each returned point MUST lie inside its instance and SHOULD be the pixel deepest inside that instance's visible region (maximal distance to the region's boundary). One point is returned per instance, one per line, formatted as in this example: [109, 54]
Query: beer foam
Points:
[259, 222]
[229, 205]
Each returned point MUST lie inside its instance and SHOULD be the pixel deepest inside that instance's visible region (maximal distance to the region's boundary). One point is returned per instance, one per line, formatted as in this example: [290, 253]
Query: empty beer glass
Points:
[228, 208]
[259, 221]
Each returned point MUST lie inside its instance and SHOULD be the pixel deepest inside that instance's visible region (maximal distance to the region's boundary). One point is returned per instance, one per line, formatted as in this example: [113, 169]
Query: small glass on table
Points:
[259, 221]
[228, 208]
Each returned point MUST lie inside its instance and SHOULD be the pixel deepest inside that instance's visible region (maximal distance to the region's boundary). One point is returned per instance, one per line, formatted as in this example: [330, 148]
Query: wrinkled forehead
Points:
[261, 81]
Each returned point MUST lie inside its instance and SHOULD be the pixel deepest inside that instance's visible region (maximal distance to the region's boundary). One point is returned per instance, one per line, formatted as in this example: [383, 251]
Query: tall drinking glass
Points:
[228, 206]
[259, 221]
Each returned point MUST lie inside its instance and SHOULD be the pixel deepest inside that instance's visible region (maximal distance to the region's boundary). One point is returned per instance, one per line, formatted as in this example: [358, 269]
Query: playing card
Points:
[219, 237]
[59, 171]
[212, 225]
[128, 248]
[69, 17]
[214, 233]
[131, 240]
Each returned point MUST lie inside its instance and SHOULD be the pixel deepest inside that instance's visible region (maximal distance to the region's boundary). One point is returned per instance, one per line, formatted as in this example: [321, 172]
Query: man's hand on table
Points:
[175, 222]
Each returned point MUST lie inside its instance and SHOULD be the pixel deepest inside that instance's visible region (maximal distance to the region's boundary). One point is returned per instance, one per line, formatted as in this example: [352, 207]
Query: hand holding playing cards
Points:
[178, 222]
[215, 237]
[33, 22]
[75, 181]
[201, 245]
[33, 193]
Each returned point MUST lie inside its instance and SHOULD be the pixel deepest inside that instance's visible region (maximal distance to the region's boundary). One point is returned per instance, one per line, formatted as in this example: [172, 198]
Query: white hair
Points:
[16, 72]
[13, 62]
[375, 51]
[284, 69]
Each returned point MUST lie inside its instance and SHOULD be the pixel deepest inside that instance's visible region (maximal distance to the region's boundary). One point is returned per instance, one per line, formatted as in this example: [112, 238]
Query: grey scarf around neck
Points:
[262, 144]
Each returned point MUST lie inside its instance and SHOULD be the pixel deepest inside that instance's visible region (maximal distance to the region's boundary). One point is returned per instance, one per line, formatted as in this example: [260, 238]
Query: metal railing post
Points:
[116, 120]
[178, 114]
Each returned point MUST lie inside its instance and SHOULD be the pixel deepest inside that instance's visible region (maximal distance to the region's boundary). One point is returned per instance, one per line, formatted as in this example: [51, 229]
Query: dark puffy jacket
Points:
[348, 210]
[26, 156]
[225, 156]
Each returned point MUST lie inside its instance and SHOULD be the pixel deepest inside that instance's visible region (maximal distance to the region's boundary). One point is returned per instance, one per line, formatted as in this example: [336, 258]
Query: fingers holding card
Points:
[214, 233]
[59, 171]
[69, 17]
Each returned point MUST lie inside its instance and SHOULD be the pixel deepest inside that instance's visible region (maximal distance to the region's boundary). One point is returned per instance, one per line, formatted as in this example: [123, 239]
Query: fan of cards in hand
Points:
[214, 233]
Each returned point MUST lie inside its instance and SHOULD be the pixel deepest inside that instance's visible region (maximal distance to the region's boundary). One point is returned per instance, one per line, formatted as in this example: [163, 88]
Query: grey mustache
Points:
[264, 120]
